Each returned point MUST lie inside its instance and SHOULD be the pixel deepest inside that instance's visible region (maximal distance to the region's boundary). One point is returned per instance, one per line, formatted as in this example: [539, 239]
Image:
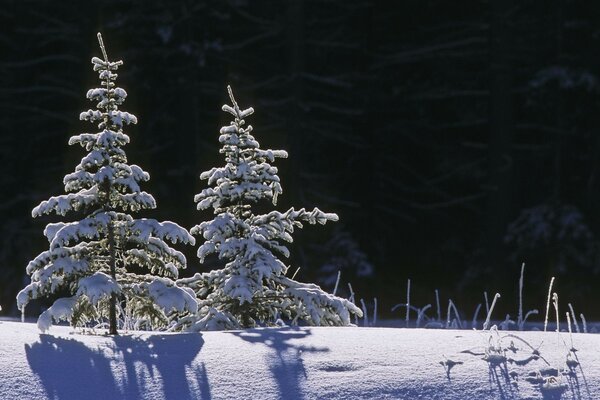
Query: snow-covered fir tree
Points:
[253, 288]
[109, 265]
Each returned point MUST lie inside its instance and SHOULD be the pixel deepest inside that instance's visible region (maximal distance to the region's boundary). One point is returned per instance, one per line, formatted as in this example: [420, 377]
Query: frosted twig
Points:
[102, 48]
[486, 324]
[535, 351]
[351, 292]
[235, 105]
[520, 316]
[474, 322]
[365, 316]
[421, 313]
[337, 282]
[296, 273]
[437, 300]
[451, 306]
[548, 304]
[570, 331]
[530, 312]
[124, 320]
[487, 303]
[374, 311]
[407, 302]
[574, 318]
[351, 299]
[584, 322]
[555, 304]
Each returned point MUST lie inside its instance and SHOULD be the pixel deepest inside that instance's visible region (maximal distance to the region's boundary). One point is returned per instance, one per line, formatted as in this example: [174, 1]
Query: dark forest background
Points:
[455, 140]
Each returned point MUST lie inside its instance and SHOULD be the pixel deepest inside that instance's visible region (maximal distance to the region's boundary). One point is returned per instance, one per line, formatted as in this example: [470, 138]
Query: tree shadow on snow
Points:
[285, 361]
[68, 369]
[171, 356]
[573, 381]
[122, 367]
[500, 377]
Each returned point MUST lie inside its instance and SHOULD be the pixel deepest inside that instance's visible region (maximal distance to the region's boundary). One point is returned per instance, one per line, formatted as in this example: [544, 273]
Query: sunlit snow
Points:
[296, 363]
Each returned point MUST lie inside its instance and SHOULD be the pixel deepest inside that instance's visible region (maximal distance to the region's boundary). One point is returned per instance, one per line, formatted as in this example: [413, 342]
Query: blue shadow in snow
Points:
[69, 369]
[285, 361]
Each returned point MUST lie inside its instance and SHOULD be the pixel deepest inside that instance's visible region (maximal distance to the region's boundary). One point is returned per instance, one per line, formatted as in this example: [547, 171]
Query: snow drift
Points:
[291, 363]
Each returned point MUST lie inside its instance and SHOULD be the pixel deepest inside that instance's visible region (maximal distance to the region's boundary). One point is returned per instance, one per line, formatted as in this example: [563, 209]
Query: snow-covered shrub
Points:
[341, 253]
[108, 257]
[565, 77]
[555, 236]
[253, 289]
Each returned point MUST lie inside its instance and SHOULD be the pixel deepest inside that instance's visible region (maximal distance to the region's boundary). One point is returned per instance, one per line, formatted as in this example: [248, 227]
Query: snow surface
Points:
[288, 363]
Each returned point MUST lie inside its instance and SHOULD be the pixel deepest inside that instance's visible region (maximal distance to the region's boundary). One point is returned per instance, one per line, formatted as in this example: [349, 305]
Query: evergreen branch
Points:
[101, 42]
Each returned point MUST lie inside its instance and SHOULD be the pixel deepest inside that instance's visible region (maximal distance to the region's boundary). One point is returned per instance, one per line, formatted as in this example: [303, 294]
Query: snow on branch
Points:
[168, 296]
[61, 309]
[67, 202]
[97, 287]
[144, 228]
[88, 228]
[105, 139]
[235, 110]
[322, 308]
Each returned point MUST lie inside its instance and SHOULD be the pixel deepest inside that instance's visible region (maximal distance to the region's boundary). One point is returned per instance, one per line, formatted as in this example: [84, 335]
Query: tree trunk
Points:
[112, 313]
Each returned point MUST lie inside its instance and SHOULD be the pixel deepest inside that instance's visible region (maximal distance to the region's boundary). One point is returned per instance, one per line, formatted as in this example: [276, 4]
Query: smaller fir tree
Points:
[253, 288]
[98, 261]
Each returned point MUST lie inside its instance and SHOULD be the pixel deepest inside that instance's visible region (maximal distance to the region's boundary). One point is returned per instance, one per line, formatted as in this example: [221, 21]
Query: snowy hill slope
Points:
[311, 363]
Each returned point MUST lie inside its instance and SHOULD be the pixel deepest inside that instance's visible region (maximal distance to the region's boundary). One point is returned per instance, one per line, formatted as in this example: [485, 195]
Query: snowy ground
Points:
[288, 363]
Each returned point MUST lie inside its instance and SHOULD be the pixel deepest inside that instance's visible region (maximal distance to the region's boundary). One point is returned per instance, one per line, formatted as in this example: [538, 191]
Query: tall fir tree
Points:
[109, 264]
[253, 288]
